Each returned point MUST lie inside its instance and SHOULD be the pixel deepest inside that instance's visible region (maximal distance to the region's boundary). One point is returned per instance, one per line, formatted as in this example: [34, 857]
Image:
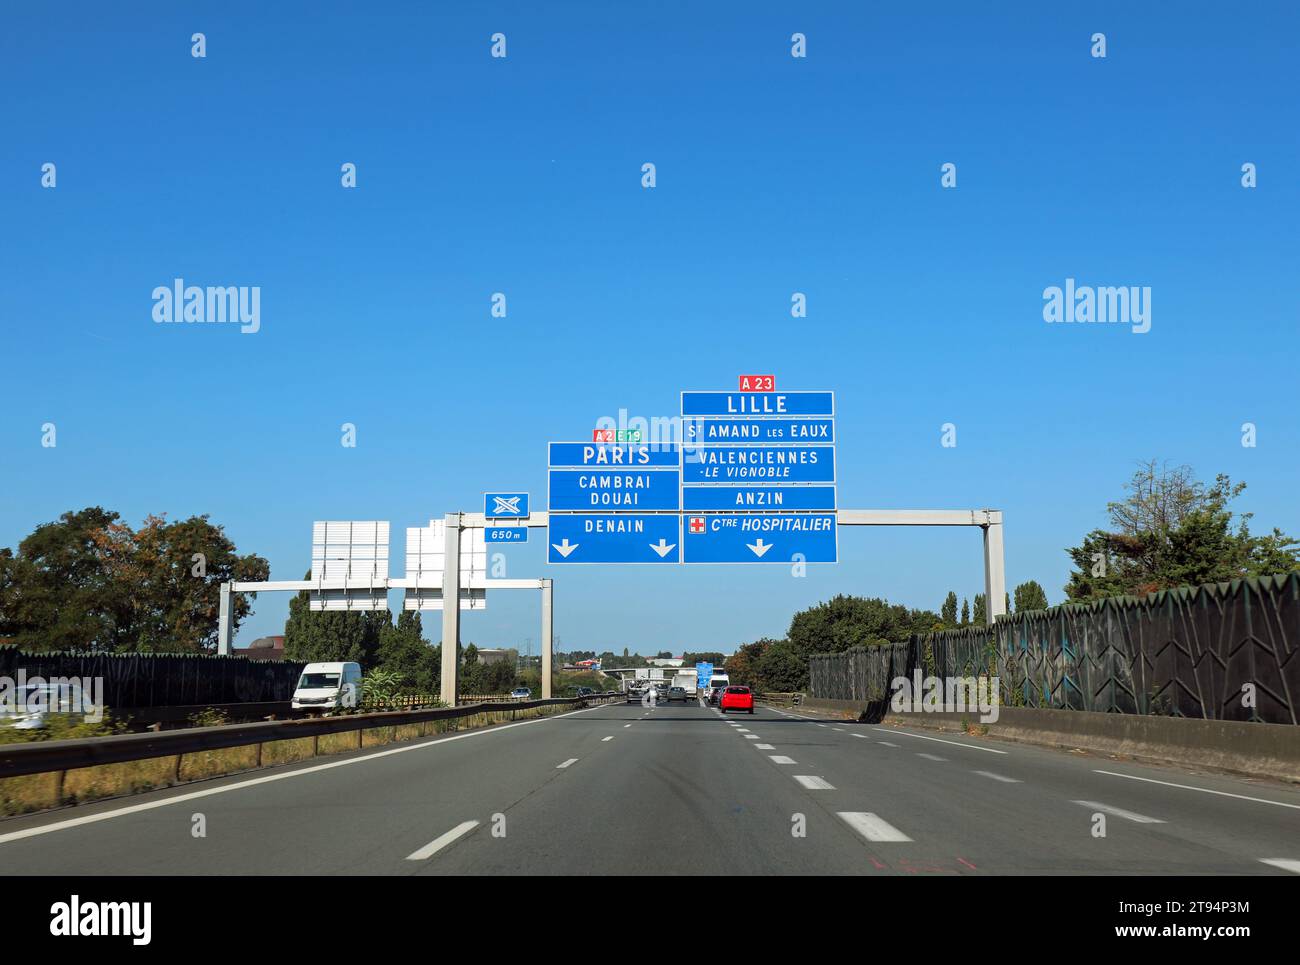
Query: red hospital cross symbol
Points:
[697, 524]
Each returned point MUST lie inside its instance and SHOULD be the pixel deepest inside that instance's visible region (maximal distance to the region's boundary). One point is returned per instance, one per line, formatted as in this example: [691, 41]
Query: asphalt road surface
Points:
[679, 789]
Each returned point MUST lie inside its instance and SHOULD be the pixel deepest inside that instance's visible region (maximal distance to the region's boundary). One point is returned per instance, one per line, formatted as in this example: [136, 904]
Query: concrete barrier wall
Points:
[1257, 750]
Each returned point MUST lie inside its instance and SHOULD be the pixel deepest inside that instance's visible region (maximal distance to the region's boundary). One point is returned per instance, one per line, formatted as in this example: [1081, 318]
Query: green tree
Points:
[91, 582]
[980, 616]
[1030, 596]
[332, 635]
[948, 612]
[1173, 530]
[403, 650]
[965, 611]
[854, 621]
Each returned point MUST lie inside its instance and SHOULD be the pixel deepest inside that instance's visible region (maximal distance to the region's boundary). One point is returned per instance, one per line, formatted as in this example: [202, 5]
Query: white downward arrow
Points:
[564, 548]
[759, 547]
[663, 547]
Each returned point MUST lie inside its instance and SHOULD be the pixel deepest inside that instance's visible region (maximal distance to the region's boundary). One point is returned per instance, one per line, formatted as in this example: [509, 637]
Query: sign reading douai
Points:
[760, 538]
[624, 490]
[614, 538]
[758, 403]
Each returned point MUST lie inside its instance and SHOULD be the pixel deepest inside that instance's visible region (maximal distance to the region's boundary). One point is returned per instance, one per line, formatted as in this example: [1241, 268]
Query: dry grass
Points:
[38, 792]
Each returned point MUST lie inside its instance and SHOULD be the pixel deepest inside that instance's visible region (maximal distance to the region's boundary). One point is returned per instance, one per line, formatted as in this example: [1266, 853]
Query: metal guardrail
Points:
[38, 757]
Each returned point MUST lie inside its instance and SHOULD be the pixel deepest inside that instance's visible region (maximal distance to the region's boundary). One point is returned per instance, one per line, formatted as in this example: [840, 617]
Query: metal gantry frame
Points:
[989, 520]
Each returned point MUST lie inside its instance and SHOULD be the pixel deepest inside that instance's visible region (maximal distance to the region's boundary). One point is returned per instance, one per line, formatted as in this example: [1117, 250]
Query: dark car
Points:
[585, 691]
[675, 693]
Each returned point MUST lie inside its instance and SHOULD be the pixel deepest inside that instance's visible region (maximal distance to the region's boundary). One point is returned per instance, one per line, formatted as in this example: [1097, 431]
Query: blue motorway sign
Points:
[505, 505]
[703, 672]
[758, 430]
[754, 464]
[614, 490]
[613, 538]
[758, 403]
[760, 538]
[699, 499]
[580, 455]
[505, 534]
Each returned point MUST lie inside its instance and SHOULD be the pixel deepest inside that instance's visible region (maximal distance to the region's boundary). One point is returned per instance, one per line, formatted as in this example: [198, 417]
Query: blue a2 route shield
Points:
[613, 538]
[702, 499]
[760, 538]
[614, 490]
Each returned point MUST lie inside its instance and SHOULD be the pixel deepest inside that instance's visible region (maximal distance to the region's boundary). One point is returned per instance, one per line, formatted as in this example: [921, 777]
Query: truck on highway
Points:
[687, 681]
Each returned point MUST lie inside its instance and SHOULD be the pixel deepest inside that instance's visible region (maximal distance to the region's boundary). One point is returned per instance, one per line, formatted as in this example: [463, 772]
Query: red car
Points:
[737, 698]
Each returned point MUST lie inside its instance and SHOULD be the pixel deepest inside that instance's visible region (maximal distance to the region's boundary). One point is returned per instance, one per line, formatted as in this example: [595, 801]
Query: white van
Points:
[717, 683]
[327, 686]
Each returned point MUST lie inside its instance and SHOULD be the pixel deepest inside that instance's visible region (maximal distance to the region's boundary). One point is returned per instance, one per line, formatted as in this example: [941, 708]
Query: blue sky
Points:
[775, 175]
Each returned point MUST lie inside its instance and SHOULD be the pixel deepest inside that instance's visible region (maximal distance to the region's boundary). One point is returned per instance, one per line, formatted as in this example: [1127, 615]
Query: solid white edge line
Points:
[871, 826]
[268, 778]
[1119, 812]
[1191, 787]
[973, 747]
[440, 842]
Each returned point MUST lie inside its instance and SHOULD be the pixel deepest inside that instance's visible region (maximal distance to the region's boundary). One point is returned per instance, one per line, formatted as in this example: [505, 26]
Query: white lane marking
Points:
[1286, 864]
[1188, 787]
[743, 730]
[781, 759]
[765, 747]
[609, 738]
[999, 777]
[251, 782]
[822, 725]
[440, 842]
[932, 757]
[1119, 812]
[863, 736]
[871, 827]
[838, 730]
[571, 760]
[627, 725]
[814, 783]
[973, 747]
[886, 743]
[751, 737]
